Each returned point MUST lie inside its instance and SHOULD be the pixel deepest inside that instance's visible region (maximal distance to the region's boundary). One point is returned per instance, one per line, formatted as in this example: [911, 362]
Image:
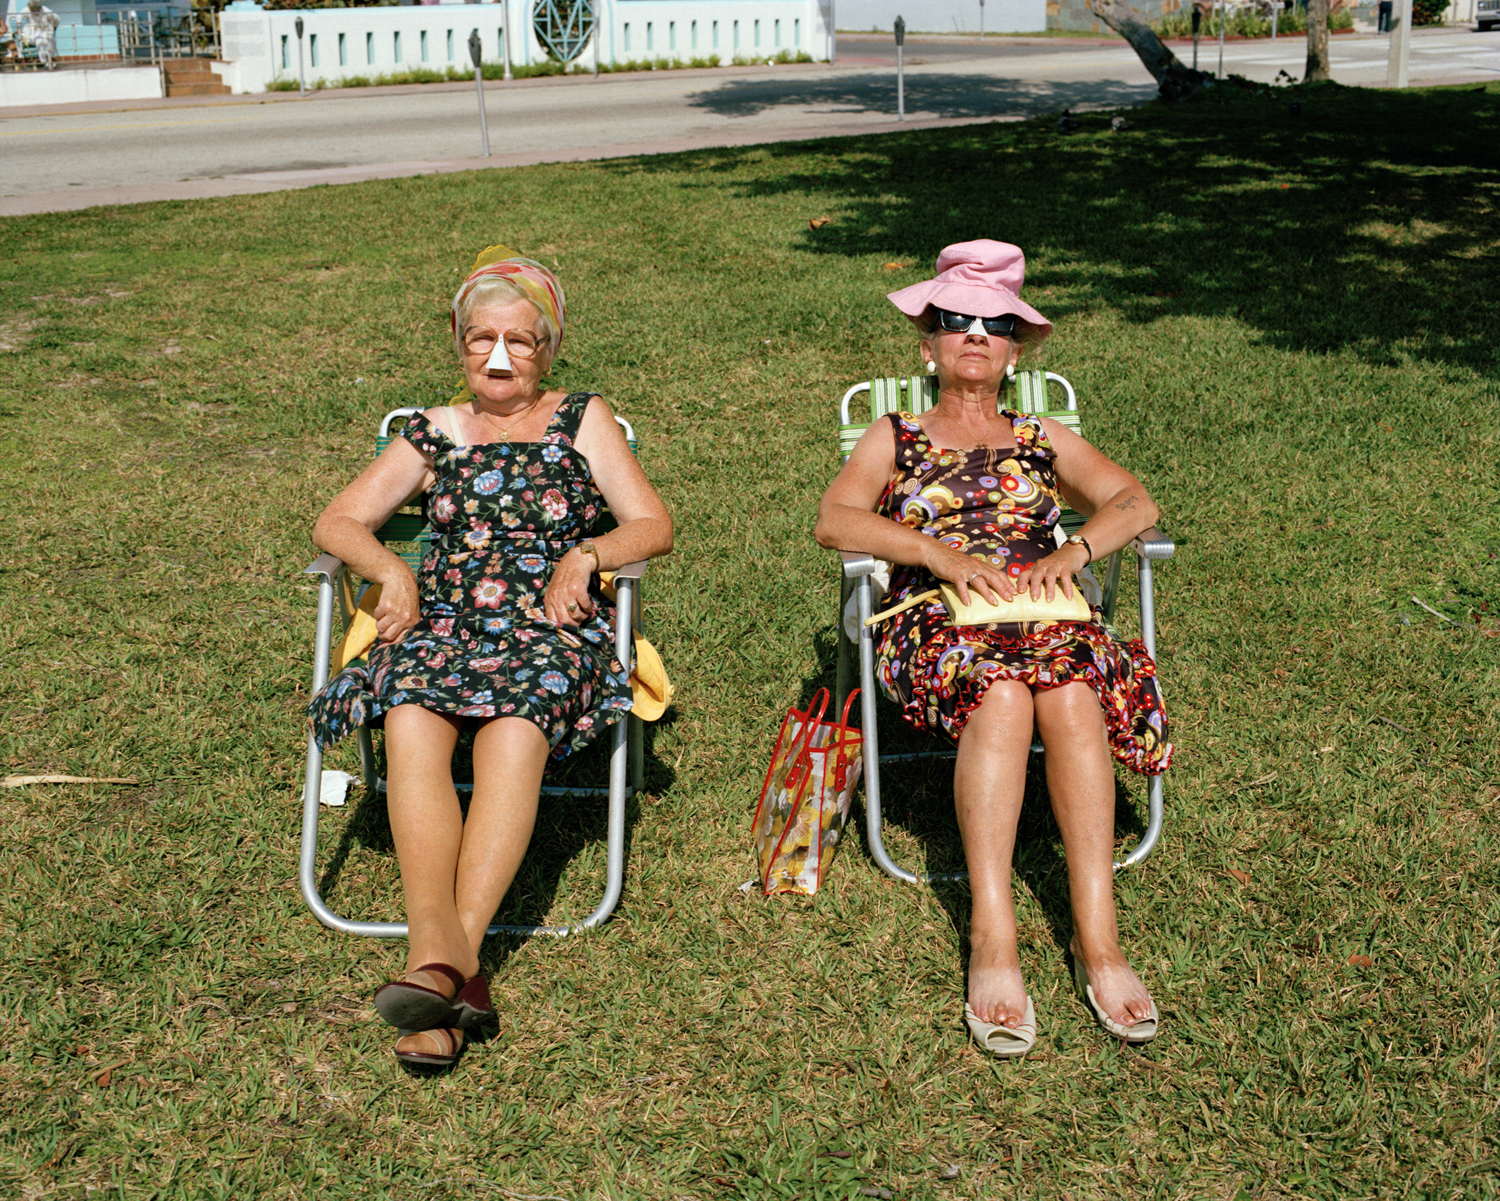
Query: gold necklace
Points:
[504, 431]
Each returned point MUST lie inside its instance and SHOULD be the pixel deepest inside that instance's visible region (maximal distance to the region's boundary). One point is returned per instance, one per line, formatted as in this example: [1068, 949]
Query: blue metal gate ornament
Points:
[564, 27]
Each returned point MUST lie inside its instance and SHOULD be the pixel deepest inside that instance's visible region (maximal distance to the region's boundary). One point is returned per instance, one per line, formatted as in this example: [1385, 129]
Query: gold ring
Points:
[572, 608]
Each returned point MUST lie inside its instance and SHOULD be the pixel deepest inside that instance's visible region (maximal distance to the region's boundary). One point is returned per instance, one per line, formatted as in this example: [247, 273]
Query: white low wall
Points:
[686, 29]
[943, 16]
[72, 85]
[259, 47]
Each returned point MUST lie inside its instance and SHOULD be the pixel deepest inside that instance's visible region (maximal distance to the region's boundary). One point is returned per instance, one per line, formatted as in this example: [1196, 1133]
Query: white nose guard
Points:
[499, 360]
[976, 328]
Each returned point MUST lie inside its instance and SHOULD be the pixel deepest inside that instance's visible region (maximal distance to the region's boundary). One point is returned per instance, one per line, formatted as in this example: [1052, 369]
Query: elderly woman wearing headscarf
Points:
[505, 630]
[969, 493]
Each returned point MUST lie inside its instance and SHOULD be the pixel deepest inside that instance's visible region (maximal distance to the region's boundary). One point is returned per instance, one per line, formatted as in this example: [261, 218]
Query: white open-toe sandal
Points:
[1142, 1031]
[1004, 1042]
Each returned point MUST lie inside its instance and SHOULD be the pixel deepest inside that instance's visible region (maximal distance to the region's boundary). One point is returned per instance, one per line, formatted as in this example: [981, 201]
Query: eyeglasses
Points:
[961, 323]
[518, 345]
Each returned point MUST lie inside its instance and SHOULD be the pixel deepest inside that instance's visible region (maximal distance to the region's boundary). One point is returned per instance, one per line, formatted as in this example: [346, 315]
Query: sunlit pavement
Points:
[77, 156]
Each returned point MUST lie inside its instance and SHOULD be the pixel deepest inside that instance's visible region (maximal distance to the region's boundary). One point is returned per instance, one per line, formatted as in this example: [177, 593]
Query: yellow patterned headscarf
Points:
[534, 281]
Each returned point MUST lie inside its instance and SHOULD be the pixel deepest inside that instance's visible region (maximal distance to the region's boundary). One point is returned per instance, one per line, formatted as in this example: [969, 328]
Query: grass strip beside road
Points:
[1284, 324]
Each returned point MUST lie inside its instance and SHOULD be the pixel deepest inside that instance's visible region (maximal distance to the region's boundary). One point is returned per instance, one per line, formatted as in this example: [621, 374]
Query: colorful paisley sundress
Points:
[1001, 505]
[502, 514]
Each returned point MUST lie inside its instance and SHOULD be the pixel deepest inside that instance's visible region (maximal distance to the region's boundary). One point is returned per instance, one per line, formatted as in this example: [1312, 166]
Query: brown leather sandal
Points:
[442, 1048]
[472, 1003]
[410, 1006]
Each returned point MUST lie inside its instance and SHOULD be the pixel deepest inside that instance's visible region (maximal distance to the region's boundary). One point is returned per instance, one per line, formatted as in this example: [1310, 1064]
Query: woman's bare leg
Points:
[510, 754]
[989, 784]
[456, 873]
[1081, 783]
[428, 828]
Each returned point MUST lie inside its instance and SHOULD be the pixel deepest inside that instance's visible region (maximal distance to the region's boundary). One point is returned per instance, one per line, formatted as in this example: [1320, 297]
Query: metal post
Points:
[1221, 39]
[301, 74]
[981, 20]
[475, 48]
[833, 37]
[505, 75]
[900, 71]
[1397, 67]
[1197, 25]
[1275, 12]
[598, 6]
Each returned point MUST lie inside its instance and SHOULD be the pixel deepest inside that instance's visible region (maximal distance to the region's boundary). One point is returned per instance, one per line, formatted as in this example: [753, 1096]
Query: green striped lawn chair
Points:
[336, 589]
[1027, 393]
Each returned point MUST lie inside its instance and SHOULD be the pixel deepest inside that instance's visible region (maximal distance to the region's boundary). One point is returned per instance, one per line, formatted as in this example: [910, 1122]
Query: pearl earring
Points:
[931, 367]
[1010, 371]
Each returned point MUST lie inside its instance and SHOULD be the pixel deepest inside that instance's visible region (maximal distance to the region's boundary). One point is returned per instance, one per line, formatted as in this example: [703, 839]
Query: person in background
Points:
[39, 29]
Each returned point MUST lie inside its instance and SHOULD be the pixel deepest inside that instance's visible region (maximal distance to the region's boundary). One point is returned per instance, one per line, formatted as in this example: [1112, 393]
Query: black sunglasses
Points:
[961, 323]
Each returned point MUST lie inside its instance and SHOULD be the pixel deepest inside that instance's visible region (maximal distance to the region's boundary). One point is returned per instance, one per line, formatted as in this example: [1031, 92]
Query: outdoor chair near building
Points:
[856, 641]
[337, 590]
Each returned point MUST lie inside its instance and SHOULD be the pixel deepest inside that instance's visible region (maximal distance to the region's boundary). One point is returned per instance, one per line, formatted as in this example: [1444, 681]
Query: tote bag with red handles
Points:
[804, 802]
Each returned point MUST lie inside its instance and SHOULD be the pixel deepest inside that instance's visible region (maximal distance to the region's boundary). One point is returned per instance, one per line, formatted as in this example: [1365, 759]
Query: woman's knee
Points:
[511, 744]
[1004, 715]
[1069, 712]
[414, 734]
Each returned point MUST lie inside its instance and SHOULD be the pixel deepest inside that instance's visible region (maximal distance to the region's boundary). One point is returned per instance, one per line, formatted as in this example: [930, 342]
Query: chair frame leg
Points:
[626, 775]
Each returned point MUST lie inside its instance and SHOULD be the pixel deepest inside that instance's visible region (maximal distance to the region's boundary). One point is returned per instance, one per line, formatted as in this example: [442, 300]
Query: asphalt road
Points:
[79, 155]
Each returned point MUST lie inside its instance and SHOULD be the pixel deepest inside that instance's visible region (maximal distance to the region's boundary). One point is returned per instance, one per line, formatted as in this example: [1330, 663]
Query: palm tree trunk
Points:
[1173, 79]
[1317, 42]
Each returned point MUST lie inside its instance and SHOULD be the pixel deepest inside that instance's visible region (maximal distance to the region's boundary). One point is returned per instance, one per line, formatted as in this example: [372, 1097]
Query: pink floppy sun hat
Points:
[981, 278]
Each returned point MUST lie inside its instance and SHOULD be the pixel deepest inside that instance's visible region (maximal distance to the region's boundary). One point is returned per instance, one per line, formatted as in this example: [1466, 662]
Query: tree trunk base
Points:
[1183, 83]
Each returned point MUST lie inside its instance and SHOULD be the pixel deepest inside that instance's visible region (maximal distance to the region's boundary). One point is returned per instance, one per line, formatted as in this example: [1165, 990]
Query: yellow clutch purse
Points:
[361, 633]
[980, 612]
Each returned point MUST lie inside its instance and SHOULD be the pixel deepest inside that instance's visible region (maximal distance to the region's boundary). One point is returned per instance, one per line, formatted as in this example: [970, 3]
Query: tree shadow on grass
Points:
[566, 826]
[1365, 222]
[950, 96]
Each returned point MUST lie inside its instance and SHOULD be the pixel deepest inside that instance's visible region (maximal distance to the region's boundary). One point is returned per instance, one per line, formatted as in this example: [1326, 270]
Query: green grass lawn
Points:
[1284, 324]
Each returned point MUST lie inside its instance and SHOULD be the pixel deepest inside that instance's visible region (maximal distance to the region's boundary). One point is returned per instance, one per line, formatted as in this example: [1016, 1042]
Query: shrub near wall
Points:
[1247, 24]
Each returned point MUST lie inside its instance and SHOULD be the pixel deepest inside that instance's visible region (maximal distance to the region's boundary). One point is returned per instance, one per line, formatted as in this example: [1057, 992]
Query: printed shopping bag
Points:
[804, 802]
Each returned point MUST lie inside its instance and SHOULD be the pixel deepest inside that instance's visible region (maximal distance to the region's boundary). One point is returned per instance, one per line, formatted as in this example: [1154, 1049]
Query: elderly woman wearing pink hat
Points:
[969, 493]
[506, 631]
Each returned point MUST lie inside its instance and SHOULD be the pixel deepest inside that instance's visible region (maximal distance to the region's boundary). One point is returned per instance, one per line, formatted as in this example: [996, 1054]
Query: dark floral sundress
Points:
[502, 515]
[1003, 506]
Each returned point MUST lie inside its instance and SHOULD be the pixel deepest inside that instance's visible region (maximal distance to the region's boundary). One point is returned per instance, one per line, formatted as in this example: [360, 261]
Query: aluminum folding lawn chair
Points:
[917, 394]
[337, 590]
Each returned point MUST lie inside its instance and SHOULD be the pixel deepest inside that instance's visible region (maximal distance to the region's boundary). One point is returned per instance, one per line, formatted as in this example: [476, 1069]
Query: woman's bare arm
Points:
[1116, 504]
[346, 528]
[645, 527]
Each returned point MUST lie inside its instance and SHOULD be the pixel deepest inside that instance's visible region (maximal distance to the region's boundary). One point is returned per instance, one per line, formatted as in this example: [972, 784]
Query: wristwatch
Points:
[1080, 540]
[588, 549]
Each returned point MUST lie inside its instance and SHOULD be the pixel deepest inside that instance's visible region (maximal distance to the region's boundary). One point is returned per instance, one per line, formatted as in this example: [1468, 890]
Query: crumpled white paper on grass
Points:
[333, 788]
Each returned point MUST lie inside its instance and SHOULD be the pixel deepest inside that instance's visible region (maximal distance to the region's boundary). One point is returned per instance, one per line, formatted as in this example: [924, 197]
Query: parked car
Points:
[1486, 14]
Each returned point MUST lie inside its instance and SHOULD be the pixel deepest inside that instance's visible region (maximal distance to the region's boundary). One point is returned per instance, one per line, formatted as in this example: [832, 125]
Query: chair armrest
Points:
[857, 563]
[326, 565]
[631, 571]
[1152, 544]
